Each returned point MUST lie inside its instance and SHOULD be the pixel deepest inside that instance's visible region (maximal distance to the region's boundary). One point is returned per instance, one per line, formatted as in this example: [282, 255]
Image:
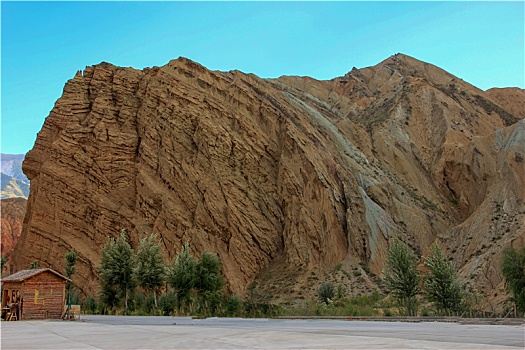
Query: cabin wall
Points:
[8, 292]
[43, 297]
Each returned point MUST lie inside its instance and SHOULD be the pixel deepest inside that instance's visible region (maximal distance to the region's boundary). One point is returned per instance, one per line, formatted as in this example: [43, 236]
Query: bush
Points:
[89, 305]
[168, 303]
[366, 300]
[326, 292]
[341, 291]
[513, 267]
[149, 303]
[360, 310]
[233, 306]
[136, 302]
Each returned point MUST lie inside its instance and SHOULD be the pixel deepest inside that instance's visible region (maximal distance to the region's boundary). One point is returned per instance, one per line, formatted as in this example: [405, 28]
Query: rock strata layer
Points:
[284, 178]
[13, 211]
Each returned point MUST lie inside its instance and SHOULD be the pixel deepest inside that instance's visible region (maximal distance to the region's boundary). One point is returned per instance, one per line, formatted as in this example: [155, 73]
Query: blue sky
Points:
[44, 43]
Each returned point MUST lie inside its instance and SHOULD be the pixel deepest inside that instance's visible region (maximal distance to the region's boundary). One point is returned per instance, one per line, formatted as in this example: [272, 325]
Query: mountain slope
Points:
[512, 99]
[282, 178]
[14, 182]
[13, 211]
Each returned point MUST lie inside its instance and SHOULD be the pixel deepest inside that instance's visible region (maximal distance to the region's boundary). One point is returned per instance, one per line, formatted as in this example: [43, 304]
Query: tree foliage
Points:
[4, 262]
[108, 296]
[197, 284]
[401, 276]
[209, 282]
[208, 278]
[441, 282]
[197, 280]
[149, 271]
[182, 274]
[116, 271]
[71, 260]
[513, 269]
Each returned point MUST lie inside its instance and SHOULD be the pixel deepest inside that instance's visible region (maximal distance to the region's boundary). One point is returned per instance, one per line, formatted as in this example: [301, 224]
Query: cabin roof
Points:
[22, 275]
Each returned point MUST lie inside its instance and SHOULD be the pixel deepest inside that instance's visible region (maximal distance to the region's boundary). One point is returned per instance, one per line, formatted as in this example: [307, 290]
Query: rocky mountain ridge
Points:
[13, 183]
[282, 178]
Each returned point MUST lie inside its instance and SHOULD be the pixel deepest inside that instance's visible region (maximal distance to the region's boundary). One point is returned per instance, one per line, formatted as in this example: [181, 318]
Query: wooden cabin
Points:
[34, 294]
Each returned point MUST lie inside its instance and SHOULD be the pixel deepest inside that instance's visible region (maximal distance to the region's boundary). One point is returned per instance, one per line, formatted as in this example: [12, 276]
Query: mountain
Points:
[512, 99]
[13, 182]
[13, 211]
[290, 181]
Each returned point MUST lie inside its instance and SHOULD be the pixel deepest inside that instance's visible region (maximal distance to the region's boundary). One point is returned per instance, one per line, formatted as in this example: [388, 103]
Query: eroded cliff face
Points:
[13, 211]
[282, 178]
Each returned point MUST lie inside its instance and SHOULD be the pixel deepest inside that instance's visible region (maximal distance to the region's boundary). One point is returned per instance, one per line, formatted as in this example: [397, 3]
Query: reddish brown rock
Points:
[282, 178]
[511, 99]
[13, 211]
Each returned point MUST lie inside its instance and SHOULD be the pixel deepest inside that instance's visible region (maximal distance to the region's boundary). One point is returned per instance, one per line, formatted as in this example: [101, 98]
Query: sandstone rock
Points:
[13, 211]
[282, 178]
[511, 99]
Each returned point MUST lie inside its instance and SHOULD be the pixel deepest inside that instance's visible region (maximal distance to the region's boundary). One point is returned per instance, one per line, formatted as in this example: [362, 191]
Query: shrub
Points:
[149, 303]
[168, 303]
[513, 269]
[233, 306]
[326, 292]
[89, 305]
[341, 291]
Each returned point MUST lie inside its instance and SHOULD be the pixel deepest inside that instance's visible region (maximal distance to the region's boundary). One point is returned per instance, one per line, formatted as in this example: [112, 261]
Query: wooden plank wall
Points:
[9, 286]
[44, 296]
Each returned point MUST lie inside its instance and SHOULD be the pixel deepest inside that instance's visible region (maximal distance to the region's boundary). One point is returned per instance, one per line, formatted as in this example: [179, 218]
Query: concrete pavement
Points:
[133, 332]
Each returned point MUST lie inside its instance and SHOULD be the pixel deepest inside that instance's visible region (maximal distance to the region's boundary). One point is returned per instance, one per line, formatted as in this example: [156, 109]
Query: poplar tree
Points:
[150, 271]
[182, 273]
[209, 281]
[71, 260]
[116, 270]
[441, 282]
[401, 275]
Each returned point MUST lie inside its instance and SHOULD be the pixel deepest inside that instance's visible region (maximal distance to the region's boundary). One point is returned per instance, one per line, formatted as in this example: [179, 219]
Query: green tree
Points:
[89, 305]
[71, 260]
[233, 306]
[4, 261]
[182, 274]
[401, 276]
[168, 303]
[116, 270]
[108, 297]
[34, 265]
[441, 282]
[149, 270]
[513, 269]
[208, 273]
[209, 282]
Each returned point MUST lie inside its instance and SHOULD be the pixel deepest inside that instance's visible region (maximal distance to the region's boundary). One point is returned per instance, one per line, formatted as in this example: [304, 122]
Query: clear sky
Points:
[44, 43]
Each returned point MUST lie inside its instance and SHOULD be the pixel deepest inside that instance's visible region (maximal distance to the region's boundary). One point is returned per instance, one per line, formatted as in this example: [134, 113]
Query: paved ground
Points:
[121, 332]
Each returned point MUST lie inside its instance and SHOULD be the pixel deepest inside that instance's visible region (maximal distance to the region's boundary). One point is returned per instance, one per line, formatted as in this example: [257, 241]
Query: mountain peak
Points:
[274, 174]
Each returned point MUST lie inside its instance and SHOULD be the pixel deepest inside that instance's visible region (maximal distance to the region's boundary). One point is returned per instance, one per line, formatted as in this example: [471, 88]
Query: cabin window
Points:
[38, 298]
